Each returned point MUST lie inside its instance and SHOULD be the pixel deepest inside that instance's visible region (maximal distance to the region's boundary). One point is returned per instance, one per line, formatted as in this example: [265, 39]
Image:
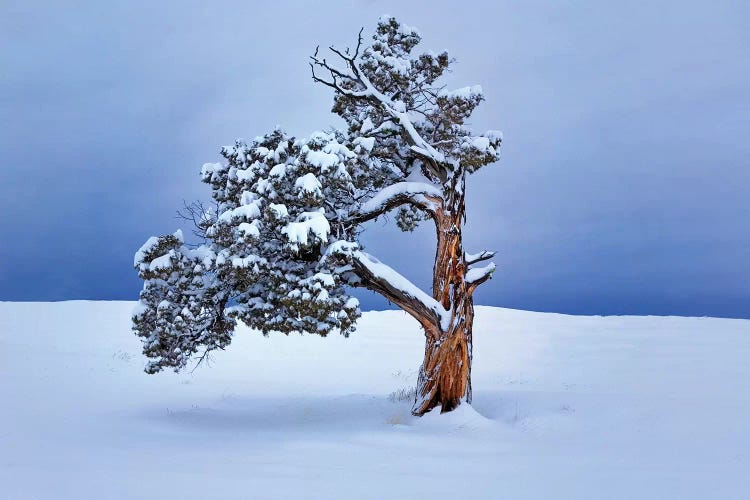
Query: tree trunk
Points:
[445, 375]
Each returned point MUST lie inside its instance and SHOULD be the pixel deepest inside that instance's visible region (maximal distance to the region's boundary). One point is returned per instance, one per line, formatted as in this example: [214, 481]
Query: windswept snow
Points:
[564, 407]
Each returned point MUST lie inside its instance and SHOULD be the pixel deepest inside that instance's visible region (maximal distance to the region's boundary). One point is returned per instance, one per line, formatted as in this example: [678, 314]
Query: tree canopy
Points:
[282, 245]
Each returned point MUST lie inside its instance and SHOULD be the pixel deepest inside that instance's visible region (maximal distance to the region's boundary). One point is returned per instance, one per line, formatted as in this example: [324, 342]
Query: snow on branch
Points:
[473, 258]
[312, 224]
[478, 275]
[422, 195]
[393, 286]
[352, 82]
[397, 110]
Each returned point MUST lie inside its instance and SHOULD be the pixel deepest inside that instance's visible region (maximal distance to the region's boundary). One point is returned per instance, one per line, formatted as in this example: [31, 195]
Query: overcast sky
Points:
[624, 186]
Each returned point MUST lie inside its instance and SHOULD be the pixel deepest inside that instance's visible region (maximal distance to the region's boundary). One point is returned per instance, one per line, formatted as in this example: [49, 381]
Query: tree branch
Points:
[478, 257]
[419, 194]
[476, 276]
[396, 109]
[198, 215]
[382, 279]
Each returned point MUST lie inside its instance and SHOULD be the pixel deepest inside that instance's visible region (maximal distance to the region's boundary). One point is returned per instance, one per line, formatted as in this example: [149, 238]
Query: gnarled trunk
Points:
[445, 375]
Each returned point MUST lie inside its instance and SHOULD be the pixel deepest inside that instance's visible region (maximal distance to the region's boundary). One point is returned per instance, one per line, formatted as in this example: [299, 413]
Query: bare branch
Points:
[206, 356]
[359, 42]
[198, 215]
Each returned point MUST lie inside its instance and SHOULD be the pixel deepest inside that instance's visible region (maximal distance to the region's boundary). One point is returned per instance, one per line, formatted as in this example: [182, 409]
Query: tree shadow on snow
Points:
[284, 415]
[356, 413]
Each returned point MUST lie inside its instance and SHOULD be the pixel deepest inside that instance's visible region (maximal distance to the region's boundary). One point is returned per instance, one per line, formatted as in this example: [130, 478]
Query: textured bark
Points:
[445, 375]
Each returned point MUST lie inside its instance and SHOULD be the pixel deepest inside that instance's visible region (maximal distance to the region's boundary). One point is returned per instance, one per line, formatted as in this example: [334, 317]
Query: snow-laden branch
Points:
[478, 275]
[397, 109]
[393, 286]
[419, 194]
[473, 258]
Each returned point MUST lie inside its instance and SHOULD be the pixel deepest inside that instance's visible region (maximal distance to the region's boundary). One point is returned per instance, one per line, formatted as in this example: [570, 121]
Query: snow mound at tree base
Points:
[564, 407]
[463, 417]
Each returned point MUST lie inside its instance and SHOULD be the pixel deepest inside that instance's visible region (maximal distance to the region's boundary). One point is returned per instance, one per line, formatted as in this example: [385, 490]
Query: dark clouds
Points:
[623, 187]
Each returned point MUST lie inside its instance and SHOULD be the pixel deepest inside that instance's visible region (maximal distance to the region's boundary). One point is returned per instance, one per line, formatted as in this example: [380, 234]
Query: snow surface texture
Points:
[564, 407]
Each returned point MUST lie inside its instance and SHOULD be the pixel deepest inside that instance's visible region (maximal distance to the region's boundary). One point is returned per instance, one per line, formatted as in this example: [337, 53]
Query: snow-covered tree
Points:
[282, 248]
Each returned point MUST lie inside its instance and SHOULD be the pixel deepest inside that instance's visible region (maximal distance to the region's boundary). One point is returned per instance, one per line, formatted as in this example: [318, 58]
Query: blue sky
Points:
[624, 186]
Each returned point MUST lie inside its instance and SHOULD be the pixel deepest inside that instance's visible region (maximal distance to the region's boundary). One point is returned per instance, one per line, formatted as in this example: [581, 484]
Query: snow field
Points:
[564, 407]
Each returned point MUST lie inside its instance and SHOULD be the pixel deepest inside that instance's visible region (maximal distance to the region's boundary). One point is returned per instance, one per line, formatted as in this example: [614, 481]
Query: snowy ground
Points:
[565, 407]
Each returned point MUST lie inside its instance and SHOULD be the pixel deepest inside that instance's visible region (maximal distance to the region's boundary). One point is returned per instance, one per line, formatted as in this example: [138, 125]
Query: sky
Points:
[623, 188]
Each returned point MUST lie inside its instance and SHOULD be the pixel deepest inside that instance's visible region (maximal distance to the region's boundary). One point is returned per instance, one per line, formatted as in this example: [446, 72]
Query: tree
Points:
[282, 247]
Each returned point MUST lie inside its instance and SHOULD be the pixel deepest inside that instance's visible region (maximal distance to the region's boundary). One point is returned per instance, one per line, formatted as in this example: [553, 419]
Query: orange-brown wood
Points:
[445, 376]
